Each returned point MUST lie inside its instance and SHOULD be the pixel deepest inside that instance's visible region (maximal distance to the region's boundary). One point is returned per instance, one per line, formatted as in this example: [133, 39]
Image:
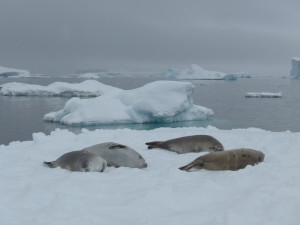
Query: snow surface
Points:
[10, 72]
[263, 95]
[194, 72]
[267, 193]
[159, 101]
[295, 72]
[86, 88]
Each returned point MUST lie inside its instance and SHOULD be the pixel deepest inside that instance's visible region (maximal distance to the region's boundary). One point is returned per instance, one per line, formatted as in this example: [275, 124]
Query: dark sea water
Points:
[22, 116]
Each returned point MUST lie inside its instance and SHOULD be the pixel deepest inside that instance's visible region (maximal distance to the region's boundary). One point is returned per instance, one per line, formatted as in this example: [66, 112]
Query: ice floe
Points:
[156, 102]
[263, 95]
[159, 194]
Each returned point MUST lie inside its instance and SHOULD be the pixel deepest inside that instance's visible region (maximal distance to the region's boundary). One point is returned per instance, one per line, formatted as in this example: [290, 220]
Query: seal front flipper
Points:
[112, 165]
[51, 164]
[154, 144]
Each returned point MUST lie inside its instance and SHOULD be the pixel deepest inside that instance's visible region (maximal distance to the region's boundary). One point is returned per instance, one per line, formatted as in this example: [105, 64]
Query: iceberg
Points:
[88, 88]
[230, 77]
[194, 72]
[156, 102]
[295, 72]
[263, 95]
[172, 73]
[10, 72]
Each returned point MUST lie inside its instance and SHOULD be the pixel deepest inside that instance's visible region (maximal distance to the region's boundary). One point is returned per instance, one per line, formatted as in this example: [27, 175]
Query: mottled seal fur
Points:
[118, 155]
[83, 161]
[226, 160]
[194, 143]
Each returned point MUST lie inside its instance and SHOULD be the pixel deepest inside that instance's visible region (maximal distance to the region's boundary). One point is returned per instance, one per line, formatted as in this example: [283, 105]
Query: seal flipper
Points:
[116, 146]
[154, 144]
[112, 165]
[191, 165]
[104, 167]
[51, 164]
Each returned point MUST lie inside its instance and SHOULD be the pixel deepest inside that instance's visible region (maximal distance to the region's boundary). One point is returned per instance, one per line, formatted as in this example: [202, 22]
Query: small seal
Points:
[118, 155]
[194, 143]
[83, 161]
[226, 160]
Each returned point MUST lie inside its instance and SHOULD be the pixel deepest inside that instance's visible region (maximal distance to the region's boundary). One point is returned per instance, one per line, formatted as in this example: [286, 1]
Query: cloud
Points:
[228, 35]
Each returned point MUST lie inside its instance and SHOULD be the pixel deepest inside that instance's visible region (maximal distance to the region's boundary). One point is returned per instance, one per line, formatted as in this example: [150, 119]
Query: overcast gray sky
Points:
[62, 36]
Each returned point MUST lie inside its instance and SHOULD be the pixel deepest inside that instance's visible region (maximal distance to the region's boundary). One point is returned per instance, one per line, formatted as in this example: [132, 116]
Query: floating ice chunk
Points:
[239, 75]
[88, 88]
[10, 72]
[295, 72]
[172, 73]
[160, 101]
[230, 77]
[263, 95]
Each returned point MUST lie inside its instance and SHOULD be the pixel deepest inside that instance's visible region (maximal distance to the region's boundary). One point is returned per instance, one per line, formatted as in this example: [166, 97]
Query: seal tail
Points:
[50, 164]
[154, 144]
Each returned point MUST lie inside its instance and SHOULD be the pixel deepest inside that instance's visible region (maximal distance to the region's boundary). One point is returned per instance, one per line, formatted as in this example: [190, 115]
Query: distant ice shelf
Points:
[195, 72]
[263, 95]
[11, 72]
[88, 88]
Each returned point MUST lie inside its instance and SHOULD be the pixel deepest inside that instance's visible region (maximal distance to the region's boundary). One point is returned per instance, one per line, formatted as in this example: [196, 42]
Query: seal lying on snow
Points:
[83, 161]
[195, 143]
[118, 155]
[226, 160]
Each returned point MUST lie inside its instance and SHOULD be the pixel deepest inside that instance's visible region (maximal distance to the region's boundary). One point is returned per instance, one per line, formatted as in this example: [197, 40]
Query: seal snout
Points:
[143, 165]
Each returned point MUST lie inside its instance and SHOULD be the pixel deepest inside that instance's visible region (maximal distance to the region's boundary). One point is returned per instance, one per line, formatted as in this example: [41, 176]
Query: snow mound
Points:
[295, 72]
[159, 194]
[263, 95]
[88, 88]
[10, 72]
[194, 72]
[160, 101]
